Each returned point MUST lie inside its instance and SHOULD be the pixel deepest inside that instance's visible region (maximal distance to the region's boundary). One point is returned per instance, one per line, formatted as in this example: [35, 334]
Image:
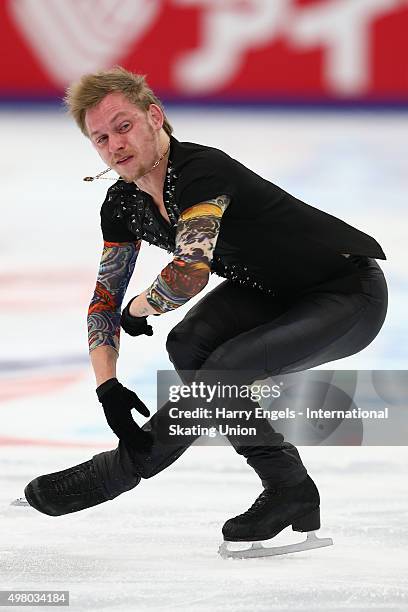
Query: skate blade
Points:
[258, 550]
[20, 502]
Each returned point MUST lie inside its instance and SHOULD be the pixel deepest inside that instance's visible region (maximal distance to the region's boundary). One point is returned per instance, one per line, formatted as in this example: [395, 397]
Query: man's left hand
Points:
[134, 326]
[117, 402]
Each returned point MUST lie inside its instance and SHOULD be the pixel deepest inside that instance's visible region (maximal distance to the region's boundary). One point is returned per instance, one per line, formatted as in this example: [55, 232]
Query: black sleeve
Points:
[205, 177]
[114, 228]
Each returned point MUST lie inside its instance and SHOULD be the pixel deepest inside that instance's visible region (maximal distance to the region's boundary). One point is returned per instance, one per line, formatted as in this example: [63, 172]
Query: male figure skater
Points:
[302, 288]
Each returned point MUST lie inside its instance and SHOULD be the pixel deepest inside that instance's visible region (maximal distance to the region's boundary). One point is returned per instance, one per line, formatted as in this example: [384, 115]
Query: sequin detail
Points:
[240, 274]
[139, 213]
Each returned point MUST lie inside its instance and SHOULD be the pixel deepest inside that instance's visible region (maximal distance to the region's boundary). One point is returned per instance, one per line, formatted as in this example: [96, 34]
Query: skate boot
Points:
[272, 511]
[74, 489]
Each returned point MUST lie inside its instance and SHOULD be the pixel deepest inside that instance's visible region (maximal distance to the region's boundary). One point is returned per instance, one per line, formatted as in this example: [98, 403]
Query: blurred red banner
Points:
[238, 50]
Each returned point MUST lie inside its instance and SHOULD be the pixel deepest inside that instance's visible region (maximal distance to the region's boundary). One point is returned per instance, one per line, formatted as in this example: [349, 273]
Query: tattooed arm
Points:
[188, 273]
[115, 270]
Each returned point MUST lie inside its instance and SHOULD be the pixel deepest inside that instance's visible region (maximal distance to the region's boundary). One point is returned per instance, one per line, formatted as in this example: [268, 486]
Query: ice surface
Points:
[155, 548]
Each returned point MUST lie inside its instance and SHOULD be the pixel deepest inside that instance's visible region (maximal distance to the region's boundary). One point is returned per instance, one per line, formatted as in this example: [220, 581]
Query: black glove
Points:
[117, 402]
[134, 326]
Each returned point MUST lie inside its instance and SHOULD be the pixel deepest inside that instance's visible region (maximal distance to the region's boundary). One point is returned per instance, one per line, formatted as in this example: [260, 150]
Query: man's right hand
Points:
[117, 402]
[134, 326]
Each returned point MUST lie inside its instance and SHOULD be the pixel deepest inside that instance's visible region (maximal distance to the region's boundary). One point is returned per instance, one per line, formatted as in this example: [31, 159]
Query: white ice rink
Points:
[155, 548]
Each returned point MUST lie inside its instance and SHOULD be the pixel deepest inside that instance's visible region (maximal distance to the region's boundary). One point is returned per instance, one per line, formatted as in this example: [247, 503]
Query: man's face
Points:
[126, 137]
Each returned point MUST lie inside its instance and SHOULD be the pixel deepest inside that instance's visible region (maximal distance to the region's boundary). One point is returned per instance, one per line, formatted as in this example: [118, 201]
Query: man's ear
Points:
[156, 116]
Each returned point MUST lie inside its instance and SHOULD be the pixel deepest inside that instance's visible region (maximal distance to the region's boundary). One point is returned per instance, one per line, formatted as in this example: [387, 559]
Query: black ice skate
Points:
[274, 510]
[71, 490]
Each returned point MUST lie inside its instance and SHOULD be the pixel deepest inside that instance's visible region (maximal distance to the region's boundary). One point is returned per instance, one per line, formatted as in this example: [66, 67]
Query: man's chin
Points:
[126, 176]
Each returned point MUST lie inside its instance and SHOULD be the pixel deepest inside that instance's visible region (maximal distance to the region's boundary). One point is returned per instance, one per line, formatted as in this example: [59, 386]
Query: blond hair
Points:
[92, 88]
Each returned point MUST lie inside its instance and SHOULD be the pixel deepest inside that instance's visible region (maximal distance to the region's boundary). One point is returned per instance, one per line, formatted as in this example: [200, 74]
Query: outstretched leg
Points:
[233, 329]
[110, 473]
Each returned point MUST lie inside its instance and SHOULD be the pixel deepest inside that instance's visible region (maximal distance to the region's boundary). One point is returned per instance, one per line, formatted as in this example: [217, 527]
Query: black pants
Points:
[238, 329]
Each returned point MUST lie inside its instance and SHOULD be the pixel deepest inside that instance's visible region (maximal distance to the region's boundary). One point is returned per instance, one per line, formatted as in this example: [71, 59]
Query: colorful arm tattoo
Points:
[115, 270]
[188, 273]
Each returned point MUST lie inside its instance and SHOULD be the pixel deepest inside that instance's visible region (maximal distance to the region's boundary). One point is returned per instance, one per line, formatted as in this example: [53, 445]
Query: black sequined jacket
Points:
[268, 239]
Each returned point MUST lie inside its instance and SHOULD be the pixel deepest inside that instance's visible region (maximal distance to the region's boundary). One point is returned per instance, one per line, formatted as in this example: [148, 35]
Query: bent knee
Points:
[187, 350]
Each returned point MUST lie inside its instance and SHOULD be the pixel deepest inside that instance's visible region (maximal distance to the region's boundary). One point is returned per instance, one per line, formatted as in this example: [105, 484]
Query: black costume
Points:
[303, 288]
[282, 244]
[293, 299]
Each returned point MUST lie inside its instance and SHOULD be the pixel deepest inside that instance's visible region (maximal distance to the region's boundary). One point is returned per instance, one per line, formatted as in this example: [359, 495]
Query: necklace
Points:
[156, 163]
[109, 178]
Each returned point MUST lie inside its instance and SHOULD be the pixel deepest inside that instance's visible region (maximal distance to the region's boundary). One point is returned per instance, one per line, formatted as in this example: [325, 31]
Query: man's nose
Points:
[116, 142]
